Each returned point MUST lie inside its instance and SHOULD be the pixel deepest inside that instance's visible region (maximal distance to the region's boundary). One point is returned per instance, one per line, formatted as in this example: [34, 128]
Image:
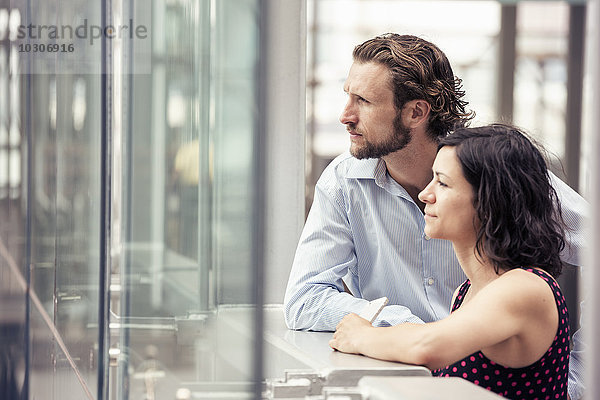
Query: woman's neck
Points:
[478, 269]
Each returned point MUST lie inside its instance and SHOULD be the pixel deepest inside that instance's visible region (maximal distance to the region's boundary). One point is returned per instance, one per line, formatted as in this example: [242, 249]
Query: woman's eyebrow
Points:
[440, 173]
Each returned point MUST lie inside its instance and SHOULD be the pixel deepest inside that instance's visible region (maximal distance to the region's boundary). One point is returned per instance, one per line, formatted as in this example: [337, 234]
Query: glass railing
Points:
[184, 209]
[127, 133]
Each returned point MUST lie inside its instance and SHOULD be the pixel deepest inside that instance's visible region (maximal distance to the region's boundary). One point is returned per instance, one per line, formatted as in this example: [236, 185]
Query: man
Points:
[364, 238]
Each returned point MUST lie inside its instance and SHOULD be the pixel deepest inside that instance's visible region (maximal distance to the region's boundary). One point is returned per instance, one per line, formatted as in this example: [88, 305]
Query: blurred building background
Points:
[516, 61]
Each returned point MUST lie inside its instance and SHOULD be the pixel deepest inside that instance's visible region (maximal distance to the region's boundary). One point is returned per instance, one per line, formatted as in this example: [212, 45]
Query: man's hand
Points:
[350, 334]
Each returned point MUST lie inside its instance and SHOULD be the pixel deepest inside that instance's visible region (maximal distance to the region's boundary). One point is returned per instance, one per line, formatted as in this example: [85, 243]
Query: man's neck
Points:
[411, 167]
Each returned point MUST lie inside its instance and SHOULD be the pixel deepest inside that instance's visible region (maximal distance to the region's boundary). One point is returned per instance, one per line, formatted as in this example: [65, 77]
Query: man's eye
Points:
[361, 100]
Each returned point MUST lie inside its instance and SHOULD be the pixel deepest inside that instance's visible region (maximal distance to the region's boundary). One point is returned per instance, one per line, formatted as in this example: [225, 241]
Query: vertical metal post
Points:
[105, 204]
[28, 203]
[285, 87]
[569, 280]
[278, 155]
[259, 185]
[593, 261]
[574, 92]
[506, 62]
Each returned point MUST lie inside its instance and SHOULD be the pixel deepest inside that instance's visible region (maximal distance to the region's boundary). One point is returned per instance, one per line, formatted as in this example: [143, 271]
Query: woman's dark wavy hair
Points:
[519, 218]
[419, 70]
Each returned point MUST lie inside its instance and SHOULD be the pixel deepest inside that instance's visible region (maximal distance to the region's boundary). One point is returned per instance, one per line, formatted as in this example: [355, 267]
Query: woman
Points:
[508, 330]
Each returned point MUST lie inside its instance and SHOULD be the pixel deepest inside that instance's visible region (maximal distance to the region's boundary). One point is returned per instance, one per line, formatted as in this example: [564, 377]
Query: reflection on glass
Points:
[186, 199]
[50, 190]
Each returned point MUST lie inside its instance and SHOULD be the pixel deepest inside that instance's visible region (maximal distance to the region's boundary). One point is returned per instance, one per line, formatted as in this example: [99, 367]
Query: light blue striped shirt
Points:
[365, 229]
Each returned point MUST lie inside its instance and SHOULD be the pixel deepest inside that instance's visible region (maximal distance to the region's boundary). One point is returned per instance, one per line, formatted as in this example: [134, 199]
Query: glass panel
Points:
[13, 265]
[184, 216]
[61, 121]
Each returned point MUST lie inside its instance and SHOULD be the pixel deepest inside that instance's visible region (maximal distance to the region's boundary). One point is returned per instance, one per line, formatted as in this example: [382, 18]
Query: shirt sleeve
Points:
[315, 298]
[576, 385]
[575, 211]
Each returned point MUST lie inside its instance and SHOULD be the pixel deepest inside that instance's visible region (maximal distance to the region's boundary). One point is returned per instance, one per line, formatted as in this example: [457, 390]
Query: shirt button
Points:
[430, 281]
[426, 237]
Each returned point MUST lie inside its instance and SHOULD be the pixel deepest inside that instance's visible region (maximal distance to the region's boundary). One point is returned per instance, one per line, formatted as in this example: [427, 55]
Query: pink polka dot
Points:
[484, 365]
[530, 391]
[474, 370]
[510, 375]
[518, 392]
[476, 382]
[543, 390]
[465, 375]
[454, 369]
[514, 384]
[527, 383]
[536, 374]
[487, 378]
[472, 358]
[497, 372]
[523, 375]
[499, 383]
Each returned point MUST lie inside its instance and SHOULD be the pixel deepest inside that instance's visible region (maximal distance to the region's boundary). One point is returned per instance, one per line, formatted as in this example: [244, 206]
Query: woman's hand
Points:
[350, 334]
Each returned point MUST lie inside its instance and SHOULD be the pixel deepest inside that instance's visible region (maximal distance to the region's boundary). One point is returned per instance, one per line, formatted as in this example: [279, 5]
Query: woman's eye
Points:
[442, 183]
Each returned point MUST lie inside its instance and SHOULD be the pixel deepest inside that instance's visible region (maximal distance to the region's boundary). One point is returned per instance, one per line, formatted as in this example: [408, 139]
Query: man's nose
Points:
[348, 115]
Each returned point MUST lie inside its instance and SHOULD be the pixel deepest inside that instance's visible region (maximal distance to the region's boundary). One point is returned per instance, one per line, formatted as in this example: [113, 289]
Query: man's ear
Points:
[417, 113]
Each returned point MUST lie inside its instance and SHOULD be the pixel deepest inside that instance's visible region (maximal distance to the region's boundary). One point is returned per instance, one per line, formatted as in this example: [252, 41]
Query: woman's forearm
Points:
[408, 343]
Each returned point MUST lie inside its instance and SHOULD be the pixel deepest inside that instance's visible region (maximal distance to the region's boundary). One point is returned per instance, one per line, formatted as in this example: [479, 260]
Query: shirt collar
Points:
[372, 168]
[375, 168]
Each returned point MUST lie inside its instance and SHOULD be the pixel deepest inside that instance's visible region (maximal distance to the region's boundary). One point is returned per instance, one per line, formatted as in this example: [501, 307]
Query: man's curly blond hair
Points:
[419, 70]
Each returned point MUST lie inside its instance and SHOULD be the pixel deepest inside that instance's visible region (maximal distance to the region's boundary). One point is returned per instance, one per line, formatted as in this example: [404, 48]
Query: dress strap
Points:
[462, 291]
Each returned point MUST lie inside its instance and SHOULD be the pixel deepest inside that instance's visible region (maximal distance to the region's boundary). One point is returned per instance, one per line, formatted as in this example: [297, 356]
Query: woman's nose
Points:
[426, 195]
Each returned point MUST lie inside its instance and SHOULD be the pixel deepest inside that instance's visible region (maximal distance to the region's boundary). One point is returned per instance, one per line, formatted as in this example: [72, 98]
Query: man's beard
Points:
[399, 140]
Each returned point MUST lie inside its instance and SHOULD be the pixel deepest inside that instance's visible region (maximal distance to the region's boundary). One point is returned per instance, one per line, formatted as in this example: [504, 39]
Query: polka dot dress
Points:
[546, 379]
